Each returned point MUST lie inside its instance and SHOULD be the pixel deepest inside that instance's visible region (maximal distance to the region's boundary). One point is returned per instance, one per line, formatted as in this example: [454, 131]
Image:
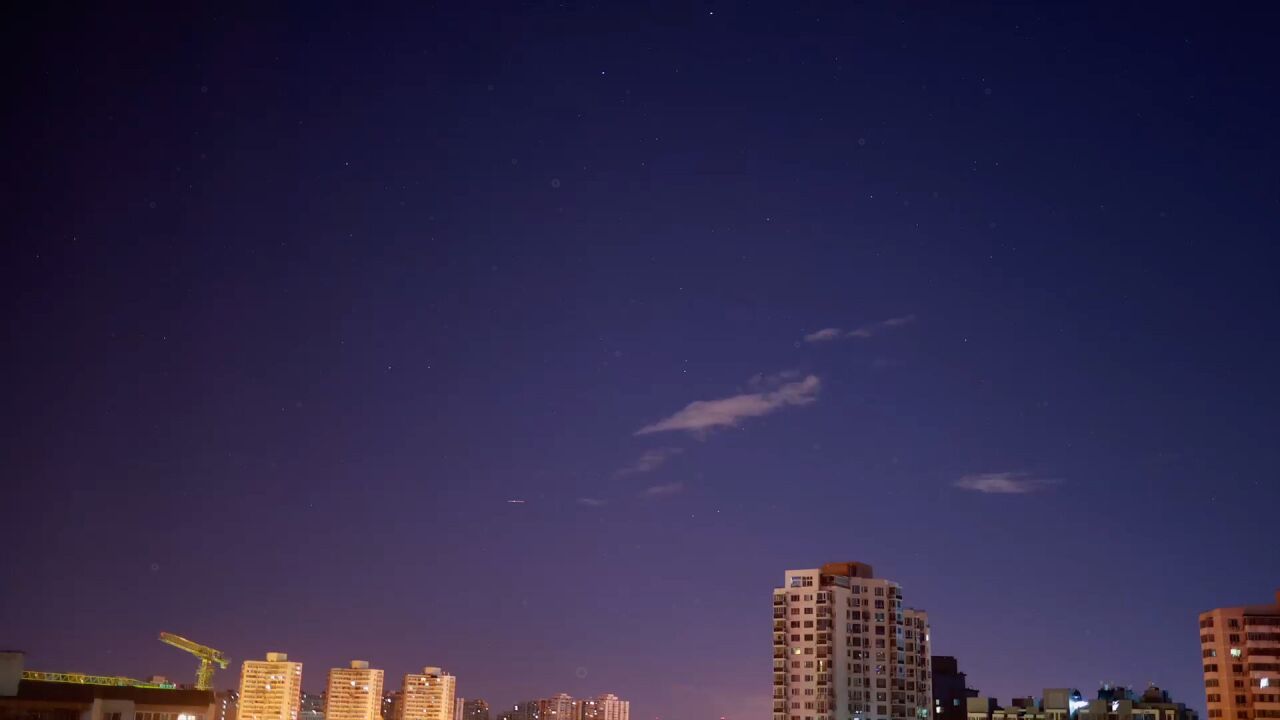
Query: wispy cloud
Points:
[1005, 483]
[649, 461]
[760, 381]
[824, 335]
[702, 415]
[592, 502]
[860, 333]
[663, 490]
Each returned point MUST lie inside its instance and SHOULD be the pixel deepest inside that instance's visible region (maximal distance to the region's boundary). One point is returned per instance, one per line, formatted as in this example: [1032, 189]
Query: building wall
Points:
[1240, 649]
[611, 707]
[558, 707]
[35, 700]
[527, 710]
[845, 648]
[354, 693]
[950, 689]
[12, 663]
[270, 689]
[428, 695]
[225, 705]
[475, 710]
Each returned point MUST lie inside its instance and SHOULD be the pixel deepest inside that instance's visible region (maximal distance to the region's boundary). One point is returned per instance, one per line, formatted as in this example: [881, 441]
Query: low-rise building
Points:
[1112, 703]
[950, 689]
[42, 700]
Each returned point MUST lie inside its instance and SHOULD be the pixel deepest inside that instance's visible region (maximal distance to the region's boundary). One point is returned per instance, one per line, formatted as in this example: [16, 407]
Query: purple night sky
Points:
[298, 301]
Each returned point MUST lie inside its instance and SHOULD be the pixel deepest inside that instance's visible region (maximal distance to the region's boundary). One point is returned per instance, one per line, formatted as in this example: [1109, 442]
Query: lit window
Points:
[1235, 652]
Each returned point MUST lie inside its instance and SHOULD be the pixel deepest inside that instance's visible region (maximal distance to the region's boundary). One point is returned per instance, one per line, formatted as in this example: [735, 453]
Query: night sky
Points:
[299, 302]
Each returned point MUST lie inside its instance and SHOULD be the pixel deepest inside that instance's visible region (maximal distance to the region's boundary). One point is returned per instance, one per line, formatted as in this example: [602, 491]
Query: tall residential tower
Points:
[270, 689]
[354, 693]
[604, 707]
[844, 648]
[427, 696]
[1241, 649]
[559, 707]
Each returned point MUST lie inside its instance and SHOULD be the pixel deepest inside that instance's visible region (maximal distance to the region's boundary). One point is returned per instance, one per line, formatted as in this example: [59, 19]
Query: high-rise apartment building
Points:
[844, 648]
[354, 693]
[558, 707]
[604, 707]
[1241, 649]
[427, 695]
[270, 689]
[474, 710]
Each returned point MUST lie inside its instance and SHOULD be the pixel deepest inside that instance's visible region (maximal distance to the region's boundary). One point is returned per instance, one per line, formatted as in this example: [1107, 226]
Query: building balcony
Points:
[779, 613]
[779, 653]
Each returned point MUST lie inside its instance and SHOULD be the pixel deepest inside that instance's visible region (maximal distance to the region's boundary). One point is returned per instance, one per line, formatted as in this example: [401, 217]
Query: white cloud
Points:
[1004, 483]
[861, 333]
[760, 381]
[649, 461]
[703, 415]
[824, 335]
[592, 502]
[664, 490]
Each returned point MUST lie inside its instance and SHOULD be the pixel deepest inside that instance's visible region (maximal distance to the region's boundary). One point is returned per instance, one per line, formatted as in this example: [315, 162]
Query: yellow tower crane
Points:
[208, 656]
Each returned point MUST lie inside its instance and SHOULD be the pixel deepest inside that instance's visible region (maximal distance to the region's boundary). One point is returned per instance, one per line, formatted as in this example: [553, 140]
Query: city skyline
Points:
[536, 340]
[363, 702]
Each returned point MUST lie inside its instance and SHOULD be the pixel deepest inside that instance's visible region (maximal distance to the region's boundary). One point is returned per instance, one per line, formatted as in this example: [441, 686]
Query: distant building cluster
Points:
[565, 707]
[1111, 703]
[268, 691]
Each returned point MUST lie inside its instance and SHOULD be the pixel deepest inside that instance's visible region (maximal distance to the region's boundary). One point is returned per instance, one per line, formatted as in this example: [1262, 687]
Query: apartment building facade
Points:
[1241, 652]
[270, 689]
[428, 695]
[354, 693]
[845, 648]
